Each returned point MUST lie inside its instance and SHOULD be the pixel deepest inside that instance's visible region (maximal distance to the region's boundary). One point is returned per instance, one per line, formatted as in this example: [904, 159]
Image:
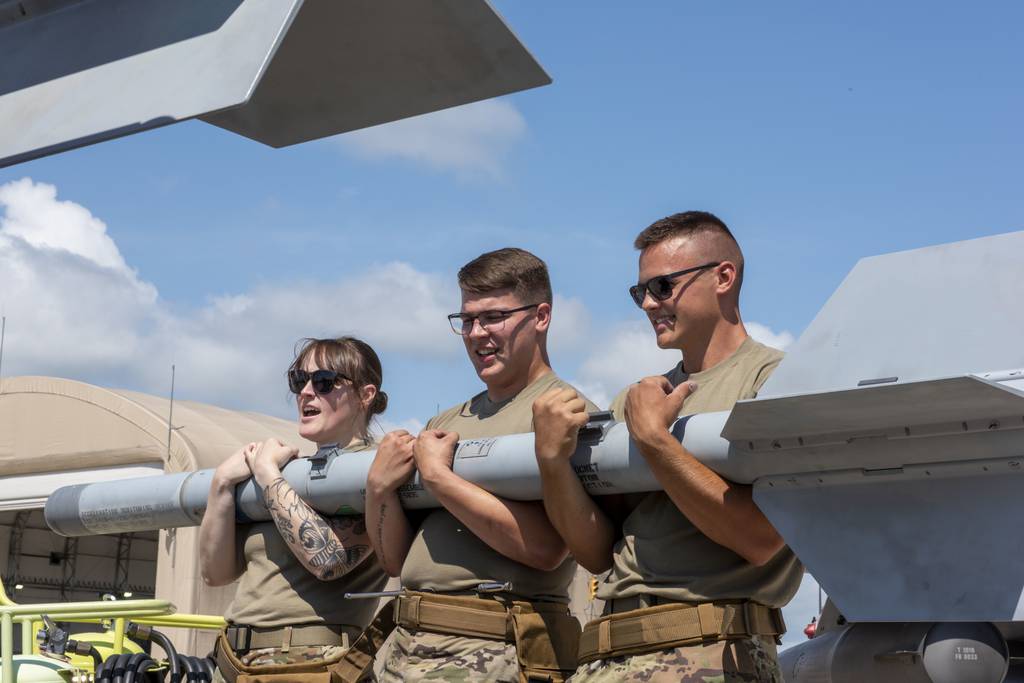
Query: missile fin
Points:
[942, 311]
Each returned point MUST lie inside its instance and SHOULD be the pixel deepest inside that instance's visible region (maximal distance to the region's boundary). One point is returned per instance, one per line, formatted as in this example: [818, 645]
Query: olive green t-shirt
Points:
[276, 590]
[445, 555]
[661, 552]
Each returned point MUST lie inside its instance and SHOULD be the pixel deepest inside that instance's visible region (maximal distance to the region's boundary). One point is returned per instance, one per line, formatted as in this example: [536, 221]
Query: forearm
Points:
[724, 511]
[391, 534]
[520, 531]
[218, 562]
[586, 530]
[328, 549]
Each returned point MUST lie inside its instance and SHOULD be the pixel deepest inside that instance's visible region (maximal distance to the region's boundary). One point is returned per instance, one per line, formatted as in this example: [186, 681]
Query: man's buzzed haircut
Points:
[695, 224]
[508, 268]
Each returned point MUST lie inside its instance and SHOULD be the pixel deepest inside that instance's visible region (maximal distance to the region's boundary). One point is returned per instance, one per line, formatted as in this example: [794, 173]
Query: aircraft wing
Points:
[281, 72]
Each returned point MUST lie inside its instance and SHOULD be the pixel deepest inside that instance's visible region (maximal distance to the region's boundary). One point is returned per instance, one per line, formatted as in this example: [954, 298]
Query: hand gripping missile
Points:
[885, 449]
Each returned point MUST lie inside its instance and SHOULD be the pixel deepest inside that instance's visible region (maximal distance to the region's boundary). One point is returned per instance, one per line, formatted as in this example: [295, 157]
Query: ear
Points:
[726, 277]
[543, 317]
[366, 395]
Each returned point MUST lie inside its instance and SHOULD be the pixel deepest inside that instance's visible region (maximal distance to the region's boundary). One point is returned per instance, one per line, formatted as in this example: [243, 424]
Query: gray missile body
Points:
[334, 482]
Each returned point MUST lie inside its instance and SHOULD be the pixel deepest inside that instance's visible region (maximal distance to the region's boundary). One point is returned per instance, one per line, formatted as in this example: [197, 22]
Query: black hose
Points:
[209, 666]
[191, 667]
[79, 648]
[119, 667]
[146, 667]
[172, 654]
[131, 669]
[102, 673]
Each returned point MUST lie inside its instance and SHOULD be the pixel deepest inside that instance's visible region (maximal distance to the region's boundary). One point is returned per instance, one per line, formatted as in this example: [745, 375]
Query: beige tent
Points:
[55, 432]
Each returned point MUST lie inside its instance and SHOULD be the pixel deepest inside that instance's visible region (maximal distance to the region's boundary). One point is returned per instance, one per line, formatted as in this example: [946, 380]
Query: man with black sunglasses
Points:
[487, 578]
[696, 572]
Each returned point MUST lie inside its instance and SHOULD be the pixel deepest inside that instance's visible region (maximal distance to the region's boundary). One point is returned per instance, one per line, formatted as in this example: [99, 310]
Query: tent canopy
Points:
[48, 424]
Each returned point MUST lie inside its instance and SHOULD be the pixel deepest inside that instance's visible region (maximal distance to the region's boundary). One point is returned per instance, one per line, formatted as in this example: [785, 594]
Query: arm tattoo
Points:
[380, 531]
[327, 547]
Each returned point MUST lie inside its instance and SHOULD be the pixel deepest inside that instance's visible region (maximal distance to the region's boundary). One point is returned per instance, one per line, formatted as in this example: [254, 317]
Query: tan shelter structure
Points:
[55, 432]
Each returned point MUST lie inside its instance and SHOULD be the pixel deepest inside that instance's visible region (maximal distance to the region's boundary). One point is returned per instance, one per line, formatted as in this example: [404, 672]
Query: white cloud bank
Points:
[471, 140]
[74, 308]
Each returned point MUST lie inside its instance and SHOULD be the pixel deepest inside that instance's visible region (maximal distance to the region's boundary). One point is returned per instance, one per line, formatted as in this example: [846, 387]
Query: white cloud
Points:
[623, 355]
[67, 293]
[570, 324]
[74, 308]
[471, 140]
[627, 352]
[34, 215]
[768, 337]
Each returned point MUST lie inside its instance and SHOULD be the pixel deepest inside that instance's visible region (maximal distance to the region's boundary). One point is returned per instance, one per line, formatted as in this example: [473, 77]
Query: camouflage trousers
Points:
[421, 656]
[274, 655]
[751, 660]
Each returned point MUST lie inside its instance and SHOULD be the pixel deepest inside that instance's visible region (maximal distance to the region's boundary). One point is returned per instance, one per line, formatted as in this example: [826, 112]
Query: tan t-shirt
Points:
[276, 590]
[447, 556]
[661, 552]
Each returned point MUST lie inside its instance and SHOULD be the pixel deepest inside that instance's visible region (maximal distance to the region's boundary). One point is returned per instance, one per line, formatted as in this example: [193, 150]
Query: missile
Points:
[888, 444]
[956, 652]
[334, 482]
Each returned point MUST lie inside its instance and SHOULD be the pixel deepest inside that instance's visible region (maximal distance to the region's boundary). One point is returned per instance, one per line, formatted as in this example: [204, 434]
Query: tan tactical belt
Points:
[676, 625]
[457, 615]
[544, 634]
[242, 638]
[233, 670]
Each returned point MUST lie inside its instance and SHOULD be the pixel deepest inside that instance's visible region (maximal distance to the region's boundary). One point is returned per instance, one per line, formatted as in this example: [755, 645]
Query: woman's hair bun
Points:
[380, 403]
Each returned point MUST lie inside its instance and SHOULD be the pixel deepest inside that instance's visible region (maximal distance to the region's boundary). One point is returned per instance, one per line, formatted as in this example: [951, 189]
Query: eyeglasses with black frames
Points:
[492, 321]
[661, 287]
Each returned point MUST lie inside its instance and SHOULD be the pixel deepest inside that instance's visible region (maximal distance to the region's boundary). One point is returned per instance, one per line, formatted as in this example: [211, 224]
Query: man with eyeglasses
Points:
[696, 573]
[486, 578]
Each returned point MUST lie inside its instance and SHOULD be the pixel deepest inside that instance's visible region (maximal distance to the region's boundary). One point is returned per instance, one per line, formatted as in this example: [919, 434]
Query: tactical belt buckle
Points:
[239, 637]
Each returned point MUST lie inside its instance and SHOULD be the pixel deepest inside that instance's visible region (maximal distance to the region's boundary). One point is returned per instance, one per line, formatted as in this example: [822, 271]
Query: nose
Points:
[477, 330]
[307, 389]
[649, 303]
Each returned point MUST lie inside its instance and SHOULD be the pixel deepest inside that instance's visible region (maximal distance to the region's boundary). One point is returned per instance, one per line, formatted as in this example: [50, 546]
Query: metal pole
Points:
[7, 647]
[170, 416]
[3, 332]
[28, 637]
[118, 646]
[122, 563]
[69, 571]
[14, 550]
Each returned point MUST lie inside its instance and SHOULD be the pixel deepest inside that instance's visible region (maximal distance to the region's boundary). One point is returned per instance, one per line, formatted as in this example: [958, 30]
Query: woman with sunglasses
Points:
[289, 616]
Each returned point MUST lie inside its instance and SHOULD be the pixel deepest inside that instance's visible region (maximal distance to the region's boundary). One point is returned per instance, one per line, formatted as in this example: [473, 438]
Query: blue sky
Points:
[822, 133]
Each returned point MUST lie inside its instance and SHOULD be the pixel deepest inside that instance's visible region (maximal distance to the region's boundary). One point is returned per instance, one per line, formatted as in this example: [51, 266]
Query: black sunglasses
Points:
[660, 287]
[323, 381]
